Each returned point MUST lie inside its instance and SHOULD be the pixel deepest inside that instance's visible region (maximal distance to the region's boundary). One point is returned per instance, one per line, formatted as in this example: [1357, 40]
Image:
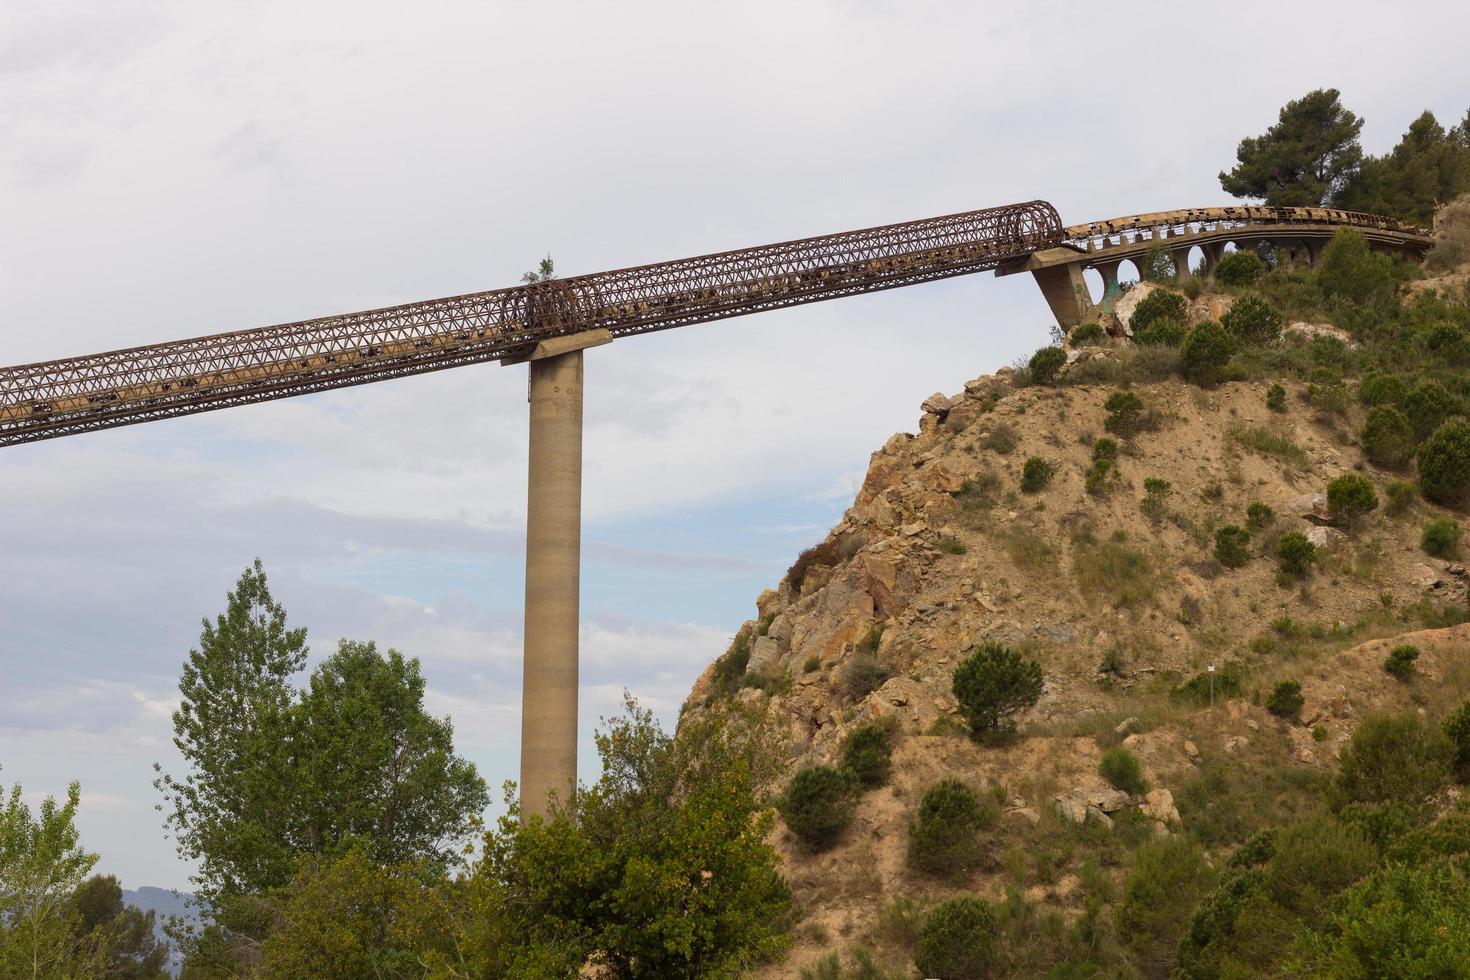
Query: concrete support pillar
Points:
[1066, 293]
[1111, 290]
[553, 565]
[1213, 251]
[1314, 248]
[1181, 262]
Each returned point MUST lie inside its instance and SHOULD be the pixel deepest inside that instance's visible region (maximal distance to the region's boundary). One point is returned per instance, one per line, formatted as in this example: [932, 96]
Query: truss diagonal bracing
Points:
[79, 394]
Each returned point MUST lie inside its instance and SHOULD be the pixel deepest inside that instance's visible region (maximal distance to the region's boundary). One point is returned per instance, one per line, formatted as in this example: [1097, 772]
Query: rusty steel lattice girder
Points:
[79, 394]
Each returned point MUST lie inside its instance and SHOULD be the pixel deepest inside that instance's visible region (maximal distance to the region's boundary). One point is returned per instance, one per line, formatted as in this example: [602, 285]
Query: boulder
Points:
[1308, 503]
[1123, 309]
[764, 652]
[1324, 537]
[937, 404]
[1071, 809]
[1158, 805]
[1311, 331]
[1109, 800]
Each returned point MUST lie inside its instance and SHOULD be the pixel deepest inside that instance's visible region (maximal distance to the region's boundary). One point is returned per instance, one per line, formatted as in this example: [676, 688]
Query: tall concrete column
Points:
[553, 566]
[1181, 262]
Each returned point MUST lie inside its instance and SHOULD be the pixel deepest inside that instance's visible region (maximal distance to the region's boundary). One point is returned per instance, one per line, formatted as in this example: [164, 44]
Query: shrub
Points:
[867, 754]
[817, 805]
[1168, 877]
[1444, 464]
[1295, 553]
[1046, 364]
[1286, 700]
[1036, 474]
[944, 839]
[1113, 569]
[1428, 405]
[1400, 662]
[1161, 304]
[1401, 495]
[1451, 236]
[1239, 268]
[1105, 448]
[1205, 353]
[1457, 728]
[1156, 492]
[1382, 389]
[1449, 345]
[1352, 272]
[1251, 320]
[1161, 333]
[1229, 683]
[824, 554]
[1258, 516]
[1387, 438]
[1124, 409]
[952, 546]
[1003, 438]
[1441, 538]
[1121, 768]
[1394, 758]
[1350, 497]
[993, 685]
[861, 675]
[1276, 398]
[957, 940]
[1097, 477]
[1232, 546]
[1088, 335]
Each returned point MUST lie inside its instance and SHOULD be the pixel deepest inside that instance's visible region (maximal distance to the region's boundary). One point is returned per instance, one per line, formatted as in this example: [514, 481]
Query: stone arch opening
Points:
[1094, 281]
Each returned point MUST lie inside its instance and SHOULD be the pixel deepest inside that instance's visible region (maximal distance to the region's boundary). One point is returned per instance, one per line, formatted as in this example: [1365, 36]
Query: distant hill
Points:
[167, 904]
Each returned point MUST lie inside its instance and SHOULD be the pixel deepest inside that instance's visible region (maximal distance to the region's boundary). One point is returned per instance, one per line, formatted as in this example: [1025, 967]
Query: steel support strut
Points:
[553, 565]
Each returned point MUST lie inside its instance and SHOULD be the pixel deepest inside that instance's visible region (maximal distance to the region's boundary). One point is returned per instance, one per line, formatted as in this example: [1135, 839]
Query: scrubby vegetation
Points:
[993, 685]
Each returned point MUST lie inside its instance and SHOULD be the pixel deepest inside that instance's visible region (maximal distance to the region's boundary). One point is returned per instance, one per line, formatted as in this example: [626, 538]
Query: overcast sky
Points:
[171, 169]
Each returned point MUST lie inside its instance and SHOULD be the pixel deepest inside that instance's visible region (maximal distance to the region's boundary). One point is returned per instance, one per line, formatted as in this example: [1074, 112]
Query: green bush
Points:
[1036, 474]
[1121, 768]
[1239, 268]
[1124, 410]
[1232, 546]
[1205, 353]
[1401, 495]
[1457, 728]
[1448, 344]
[867, 754]
[817, 805]
[1286, 700]
[1088, 335]
[1295, 553]
[1394, 758]
[1161, 304]
[1259, 516]
[993, 685]
[1350, 497]
[1097, 477]
[1276, 398]
[1229, 683]
[957, 940]
[1387, 438]
[1441, 538]
[1400, 662]
[1350, 271]
[1168, 877]
[944, 839]
[1046, 364]
[1156, 492]
[1161, 333]
[1105, 448]
[1251, 320]
[863, 674]
[1382, 389]
[1444, 464]
[1428, 405]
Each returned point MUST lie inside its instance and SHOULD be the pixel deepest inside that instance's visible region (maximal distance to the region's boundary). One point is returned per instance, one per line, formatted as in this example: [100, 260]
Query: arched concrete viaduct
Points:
[1296, 235]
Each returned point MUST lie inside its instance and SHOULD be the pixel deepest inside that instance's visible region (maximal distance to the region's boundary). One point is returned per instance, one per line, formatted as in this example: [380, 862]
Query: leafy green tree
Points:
[1205, 352]
[545, 271]
[1160, 304]
[124, 935]
[867, 754]
[957, 940]
[1167, 878]
[1304, 158]
[1429, 167]
[1387, 437]
[1286, 700]
[41, 865]
[1444, 464]
[1353, 273]
[665, 872]
[818, 805]
[1251, 320]
[944, 838]
[993, 685]
[233, 812]
[1428, 405]
[1295, 553]
[1046, 364]
[1239, 268]
[375, 766]
[1350, 497]
[1232, 546]
[1394, 758]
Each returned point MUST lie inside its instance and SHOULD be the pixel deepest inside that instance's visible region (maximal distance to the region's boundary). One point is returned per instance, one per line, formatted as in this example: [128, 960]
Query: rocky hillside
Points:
[1113, 585]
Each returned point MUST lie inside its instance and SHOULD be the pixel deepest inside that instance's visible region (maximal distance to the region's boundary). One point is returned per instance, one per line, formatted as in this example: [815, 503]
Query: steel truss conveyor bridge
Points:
[550, 323]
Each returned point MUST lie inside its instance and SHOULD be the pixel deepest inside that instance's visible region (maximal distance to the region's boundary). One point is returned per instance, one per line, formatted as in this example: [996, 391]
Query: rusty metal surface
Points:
[81, 394]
